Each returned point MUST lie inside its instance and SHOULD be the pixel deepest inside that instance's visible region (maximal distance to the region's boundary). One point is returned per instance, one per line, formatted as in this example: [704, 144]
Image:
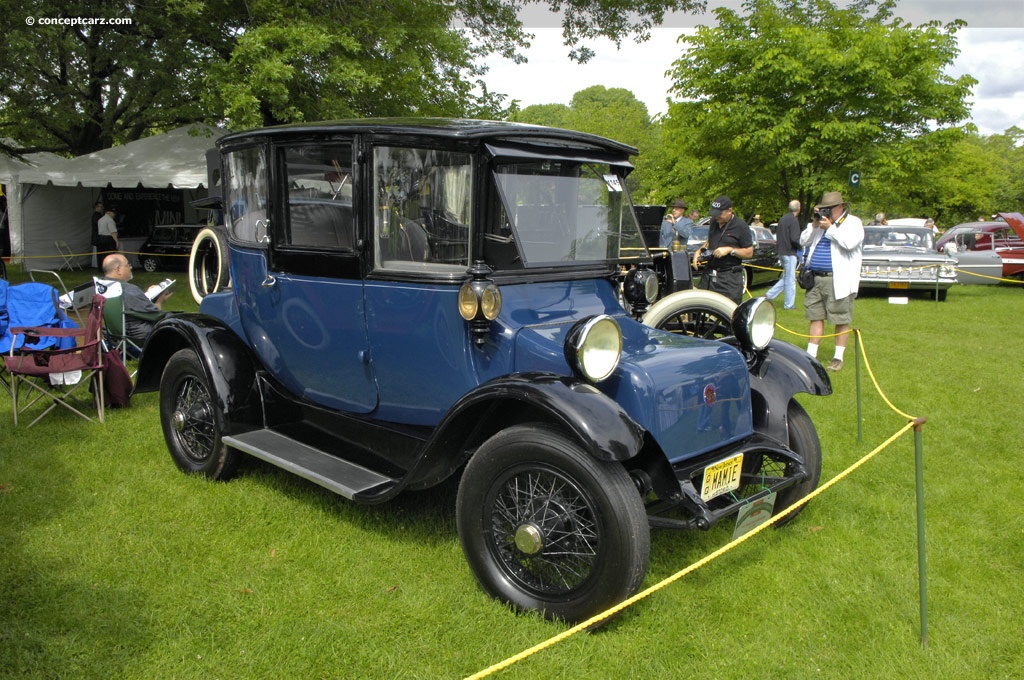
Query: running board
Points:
[333, 473]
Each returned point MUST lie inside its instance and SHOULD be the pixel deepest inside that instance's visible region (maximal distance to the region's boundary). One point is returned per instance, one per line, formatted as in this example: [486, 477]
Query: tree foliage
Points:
[785, 100]
[77, 88]
[614, 113]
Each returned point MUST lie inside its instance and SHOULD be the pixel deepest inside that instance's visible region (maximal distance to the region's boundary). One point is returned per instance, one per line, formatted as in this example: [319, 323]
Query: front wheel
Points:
[546, 527]
[697, 313]
[803, 439]
[149, 264]
[188, 417]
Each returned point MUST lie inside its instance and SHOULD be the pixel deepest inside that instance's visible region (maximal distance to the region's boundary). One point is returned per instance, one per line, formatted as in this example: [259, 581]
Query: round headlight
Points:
[468, 303]
[640, 285]
[594, 346]
[753, 323]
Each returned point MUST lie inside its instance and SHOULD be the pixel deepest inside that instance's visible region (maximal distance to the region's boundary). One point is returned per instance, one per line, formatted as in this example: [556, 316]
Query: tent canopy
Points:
[174, 159]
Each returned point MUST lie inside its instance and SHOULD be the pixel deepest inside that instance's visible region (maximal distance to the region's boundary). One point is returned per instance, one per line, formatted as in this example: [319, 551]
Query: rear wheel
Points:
[546, 527]
[149, 263]
[208, 269]
[189, 420]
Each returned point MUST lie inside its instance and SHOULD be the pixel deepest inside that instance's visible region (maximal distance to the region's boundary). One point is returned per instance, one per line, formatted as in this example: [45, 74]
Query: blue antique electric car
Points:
[416, 299]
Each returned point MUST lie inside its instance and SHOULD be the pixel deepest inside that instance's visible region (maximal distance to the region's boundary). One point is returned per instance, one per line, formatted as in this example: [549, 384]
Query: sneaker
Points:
[835, 365]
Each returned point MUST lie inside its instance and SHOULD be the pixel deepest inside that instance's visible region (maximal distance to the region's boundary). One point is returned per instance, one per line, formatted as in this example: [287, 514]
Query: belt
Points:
[817, 273]
[734, 268]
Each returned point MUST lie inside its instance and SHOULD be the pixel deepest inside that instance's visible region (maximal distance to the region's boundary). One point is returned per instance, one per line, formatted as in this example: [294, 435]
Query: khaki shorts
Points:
[821, 304]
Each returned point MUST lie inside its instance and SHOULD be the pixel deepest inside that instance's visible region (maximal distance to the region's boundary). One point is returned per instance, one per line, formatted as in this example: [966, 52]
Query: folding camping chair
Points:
[29, 304]
[58, 374]
[115, 320]
[70, 259]
[69, 299]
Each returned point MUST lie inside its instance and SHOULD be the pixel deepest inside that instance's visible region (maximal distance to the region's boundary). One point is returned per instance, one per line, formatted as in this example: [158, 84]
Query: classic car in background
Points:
[904, 259]
[977, 245]
[168, 246]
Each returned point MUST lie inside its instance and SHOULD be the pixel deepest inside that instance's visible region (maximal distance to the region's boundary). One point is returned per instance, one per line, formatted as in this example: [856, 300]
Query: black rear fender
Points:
[230, 365]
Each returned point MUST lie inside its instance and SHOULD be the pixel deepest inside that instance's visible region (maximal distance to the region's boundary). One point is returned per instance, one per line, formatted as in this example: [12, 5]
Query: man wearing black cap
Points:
[730, 242]
[676, 224]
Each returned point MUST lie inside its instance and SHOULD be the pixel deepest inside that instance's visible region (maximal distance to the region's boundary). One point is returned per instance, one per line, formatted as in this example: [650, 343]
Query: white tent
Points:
[52, 200]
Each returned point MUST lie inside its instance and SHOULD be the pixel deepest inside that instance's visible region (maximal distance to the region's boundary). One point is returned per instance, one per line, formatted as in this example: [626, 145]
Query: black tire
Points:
[150, 264]
[546, 527]
[208, 269]
[697, 313]
[189, 419]
[3, 269]
[803, 438]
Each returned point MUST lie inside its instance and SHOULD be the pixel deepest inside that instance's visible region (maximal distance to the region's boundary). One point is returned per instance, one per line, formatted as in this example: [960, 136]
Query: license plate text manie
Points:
[721, 477]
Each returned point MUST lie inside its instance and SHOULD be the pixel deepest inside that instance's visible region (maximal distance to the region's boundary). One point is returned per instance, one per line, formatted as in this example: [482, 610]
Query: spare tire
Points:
[208, 263]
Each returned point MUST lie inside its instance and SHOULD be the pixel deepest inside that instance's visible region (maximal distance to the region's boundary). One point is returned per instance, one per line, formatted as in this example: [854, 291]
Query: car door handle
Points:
[269, 282]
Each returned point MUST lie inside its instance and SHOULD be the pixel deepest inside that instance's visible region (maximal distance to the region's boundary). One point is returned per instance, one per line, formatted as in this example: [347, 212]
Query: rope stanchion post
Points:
[856, 373]
[922, 576]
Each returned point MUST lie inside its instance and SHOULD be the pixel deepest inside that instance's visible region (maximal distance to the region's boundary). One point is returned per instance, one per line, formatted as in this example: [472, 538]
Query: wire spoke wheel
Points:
[189, 419]
[543, 530]
[546, 527]
[696, 313]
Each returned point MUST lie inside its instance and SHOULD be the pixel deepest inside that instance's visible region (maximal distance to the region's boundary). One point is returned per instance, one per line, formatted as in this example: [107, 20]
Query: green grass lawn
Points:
[115, 565]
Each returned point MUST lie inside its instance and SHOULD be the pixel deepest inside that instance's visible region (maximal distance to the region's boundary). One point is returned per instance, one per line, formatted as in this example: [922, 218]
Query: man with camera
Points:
[676, 225]
[835, 247]
[721, 257]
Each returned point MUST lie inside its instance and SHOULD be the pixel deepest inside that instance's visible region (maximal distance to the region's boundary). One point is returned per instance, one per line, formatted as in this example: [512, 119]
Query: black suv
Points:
[417, 299]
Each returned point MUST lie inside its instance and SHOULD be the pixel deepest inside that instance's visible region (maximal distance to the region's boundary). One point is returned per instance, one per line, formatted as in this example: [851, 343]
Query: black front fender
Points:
[777, 373]
[230, 365]
[594, 420]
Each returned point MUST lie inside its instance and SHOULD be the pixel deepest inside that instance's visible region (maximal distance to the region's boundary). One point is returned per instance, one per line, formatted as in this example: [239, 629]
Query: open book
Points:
[157, 289]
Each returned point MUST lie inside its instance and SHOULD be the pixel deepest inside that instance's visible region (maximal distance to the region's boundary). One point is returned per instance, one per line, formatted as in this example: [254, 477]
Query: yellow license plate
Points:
[721, 477]
[899, 285]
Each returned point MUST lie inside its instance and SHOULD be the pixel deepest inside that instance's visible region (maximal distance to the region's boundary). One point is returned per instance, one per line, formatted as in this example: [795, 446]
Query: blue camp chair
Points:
[30, 305]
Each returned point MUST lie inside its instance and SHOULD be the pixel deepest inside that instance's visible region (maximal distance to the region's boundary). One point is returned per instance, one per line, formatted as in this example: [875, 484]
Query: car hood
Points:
[1016, 222]
[903, 254]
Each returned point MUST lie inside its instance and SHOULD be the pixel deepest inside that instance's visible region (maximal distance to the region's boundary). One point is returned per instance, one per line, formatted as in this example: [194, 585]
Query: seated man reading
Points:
[117, 268]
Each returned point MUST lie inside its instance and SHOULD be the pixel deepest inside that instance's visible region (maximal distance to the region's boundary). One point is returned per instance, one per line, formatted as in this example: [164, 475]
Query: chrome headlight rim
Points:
[753, 323]
[593, 347]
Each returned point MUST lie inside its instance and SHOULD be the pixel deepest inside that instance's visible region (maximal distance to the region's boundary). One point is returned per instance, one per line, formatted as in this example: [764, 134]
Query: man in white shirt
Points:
[835, 243]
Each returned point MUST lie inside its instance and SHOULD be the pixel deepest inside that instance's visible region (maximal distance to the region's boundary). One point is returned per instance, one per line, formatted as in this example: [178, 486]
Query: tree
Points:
[73, 86]
[80, 87]
[783, 101]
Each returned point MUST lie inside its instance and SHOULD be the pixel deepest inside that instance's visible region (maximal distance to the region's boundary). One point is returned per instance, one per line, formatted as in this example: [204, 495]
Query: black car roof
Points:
[446, 128]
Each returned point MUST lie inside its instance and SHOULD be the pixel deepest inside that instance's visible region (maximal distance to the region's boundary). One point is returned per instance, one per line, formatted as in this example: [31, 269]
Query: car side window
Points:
[247, 194]
[423, 200]
[319, 208]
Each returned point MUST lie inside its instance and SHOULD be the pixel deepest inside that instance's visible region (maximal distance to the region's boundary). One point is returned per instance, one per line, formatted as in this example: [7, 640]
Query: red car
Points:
[1006, 238]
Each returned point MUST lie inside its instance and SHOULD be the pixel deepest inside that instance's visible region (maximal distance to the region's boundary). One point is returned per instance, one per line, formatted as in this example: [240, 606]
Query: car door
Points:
[297, 261]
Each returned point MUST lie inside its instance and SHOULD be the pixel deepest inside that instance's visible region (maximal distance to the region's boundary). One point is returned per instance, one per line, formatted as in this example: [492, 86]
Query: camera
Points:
[823, 212]
[705, 256]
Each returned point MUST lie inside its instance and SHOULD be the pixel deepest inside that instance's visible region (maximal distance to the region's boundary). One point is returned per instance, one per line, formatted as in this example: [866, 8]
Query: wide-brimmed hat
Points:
[720, 205]
[679, 203]
[830, 199]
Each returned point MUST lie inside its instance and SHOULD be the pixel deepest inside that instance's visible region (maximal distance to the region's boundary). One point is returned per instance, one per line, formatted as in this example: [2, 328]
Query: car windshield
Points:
[568, 211]
[890, 237]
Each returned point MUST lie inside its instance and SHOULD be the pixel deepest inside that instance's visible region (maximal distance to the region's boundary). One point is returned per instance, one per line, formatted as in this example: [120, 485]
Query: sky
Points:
[991, 50]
